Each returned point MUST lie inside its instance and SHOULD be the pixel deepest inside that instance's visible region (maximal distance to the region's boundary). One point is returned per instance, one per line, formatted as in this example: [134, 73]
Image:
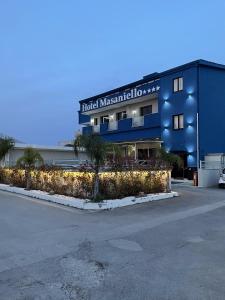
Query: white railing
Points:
[113, 125]
[96, 128]
[138, 121]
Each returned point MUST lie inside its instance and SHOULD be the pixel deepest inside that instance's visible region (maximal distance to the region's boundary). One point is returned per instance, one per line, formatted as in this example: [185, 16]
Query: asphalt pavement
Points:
[167, 249]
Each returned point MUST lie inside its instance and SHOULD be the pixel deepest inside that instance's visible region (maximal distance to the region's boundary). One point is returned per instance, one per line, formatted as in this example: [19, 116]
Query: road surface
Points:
[168, 249]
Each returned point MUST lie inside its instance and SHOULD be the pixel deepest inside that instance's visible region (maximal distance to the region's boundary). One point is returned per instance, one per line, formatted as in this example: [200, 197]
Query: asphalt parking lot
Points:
[168, 249]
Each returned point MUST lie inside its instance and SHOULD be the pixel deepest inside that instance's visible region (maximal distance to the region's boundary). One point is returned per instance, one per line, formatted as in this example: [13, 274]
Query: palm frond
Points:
[6, 144]
[30, 158]
[95, 147]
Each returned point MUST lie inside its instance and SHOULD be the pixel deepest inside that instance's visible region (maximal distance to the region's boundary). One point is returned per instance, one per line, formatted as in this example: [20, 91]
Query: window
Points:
[121, 115]
[178, 122]
[104, 119]
[95, 121]
[146, 110]
[178, 84]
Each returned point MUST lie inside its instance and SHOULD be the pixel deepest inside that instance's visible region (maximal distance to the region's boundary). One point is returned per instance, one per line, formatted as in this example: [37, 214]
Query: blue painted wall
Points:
[83, 118]
[211, 110]
[183, 102]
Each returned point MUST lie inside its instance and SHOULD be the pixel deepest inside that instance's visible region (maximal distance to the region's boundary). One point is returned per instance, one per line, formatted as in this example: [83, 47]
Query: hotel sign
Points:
[129, 94]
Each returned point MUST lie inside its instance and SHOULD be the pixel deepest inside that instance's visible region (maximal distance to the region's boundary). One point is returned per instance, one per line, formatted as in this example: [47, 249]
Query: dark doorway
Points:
[180, 171]
[142, 154]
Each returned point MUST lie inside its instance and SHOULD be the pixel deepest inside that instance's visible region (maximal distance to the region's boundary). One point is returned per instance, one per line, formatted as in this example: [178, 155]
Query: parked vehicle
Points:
[72, 165]
[222, 179]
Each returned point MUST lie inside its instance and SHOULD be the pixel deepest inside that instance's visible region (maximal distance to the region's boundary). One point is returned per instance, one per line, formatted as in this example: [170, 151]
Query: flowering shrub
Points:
[79, 184]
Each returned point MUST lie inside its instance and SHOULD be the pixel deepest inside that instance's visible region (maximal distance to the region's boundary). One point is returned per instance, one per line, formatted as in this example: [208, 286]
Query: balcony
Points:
[96, 128]
[138, 121]
[87, 130]
[125, 125]
[147, 121]
[152, 120]
[112, 125]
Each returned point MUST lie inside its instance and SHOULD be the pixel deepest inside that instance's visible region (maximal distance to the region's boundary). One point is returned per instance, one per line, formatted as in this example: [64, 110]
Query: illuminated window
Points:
[178, 84]
[178, 122]
[121, 115]
[104, 119]
[146, 110]
[95, 121]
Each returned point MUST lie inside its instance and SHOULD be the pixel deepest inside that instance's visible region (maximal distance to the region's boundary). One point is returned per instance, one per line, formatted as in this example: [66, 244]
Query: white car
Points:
[222, 179]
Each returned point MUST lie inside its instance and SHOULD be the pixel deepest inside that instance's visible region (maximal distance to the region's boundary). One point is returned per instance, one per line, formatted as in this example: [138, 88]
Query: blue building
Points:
[181, 109]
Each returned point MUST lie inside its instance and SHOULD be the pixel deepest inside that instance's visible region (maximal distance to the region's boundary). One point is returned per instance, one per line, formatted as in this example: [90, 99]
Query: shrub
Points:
[80, 184]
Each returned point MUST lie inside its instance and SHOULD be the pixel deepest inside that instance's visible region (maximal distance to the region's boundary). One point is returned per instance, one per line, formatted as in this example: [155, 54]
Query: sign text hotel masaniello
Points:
[142, 90]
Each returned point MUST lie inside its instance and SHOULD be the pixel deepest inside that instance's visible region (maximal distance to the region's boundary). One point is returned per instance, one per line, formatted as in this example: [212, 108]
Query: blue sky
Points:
[54, 53]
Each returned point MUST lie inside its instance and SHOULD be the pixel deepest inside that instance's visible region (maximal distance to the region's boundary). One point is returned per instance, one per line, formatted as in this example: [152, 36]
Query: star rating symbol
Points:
[157, 88]
[149, 90]
[144, 92]
[153, 89]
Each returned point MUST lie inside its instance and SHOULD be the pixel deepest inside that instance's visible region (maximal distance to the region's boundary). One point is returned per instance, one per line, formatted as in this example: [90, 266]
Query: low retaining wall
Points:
[208, 178]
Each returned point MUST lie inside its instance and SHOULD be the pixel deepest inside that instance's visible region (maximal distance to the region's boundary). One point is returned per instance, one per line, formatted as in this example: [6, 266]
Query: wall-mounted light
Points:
[166, 103]
[111, 117]
[190, 128]
[167, 148]
[166, 123]
[166, 132]
[134, 112]
[166, 97]
[190, 120]
[92, 121]
[190, 90]
[190, 158]
[190, 149]
[190, 99]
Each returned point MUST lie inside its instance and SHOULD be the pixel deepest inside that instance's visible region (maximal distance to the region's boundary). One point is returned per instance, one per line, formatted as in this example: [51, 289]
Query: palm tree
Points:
[29, 161]
[97, 150]
[6, 144]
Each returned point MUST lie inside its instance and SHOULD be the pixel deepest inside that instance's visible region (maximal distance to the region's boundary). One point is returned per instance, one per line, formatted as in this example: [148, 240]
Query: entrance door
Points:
[143, 154]
[179, 171]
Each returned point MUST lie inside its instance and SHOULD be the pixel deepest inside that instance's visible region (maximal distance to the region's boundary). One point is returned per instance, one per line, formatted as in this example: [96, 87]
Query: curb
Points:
[86, 203]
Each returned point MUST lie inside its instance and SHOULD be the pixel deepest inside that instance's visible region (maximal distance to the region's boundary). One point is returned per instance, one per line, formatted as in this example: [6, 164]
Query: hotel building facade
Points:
[181, 110]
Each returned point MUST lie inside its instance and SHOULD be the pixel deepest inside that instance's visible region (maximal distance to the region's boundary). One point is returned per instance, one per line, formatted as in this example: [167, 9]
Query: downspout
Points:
[197, 143]
[197, 137]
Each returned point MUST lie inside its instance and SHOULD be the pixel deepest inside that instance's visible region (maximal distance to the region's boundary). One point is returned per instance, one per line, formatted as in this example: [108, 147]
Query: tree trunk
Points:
[96, 185]
[28, 179]
[168, 179]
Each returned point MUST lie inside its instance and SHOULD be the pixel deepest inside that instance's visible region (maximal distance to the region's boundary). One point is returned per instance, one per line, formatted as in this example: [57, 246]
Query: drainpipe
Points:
[197, 141]
[198, 106]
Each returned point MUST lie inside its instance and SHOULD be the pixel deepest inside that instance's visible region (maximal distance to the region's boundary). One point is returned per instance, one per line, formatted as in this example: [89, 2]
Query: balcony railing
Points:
[87, 130]
[138, 121]
[113, 125]
[96, 128]
[148, 121]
